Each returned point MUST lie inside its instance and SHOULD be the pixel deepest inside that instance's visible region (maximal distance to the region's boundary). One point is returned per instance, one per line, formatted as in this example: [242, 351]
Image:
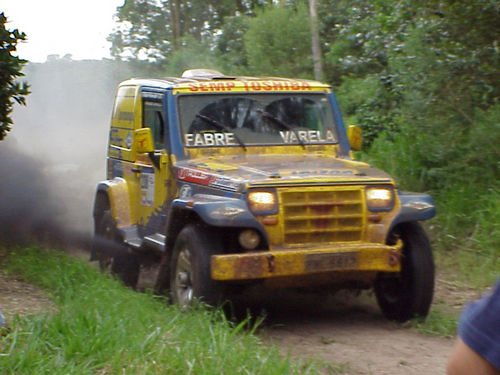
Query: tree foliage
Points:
[154, 29]
[422, 76]
[269, 52]
[10, 69]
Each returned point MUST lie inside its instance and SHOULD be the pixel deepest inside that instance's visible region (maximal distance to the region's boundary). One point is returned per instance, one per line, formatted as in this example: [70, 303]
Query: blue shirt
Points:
[479, 326]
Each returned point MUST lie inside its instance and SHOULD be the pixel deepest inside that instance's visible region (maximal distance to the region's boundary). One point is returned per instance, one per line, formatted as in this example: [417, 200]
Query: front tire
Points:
[190, 278]
[409, 293]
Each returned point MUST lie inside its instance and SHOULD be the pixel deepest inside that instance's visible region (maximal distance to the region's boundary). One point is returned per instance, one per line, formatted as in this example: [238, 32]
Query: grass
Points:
[437, 323]
[467, 236]
[100, 327]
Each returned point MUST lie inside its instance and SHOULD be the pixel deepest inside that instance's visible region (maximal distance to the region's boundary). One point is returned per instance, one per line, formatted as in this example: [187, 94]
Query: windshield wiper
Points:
[218, 125]
[279, 122]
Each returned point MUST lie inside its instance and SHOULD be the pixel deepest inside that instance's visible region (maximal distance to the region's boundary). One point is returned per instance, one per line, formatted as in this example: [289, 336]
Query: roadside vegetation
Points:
[100, 327]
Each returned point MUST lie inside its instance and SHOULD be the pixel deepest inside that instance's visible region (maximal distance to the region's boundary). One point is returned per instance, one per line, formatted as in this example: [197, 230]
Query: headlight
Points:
[249, 239]
[379, 198]
[263, 202]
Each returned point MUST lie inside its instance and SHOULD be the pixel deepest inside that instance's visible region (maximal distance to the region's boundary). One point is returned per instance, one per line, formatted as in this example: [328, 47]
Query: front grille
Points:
[325, 214]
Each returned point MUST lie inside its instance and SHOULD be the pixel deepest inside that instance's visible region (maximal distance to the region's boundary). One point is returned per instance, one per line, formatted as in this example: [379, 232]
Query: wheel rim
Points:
[183, 282]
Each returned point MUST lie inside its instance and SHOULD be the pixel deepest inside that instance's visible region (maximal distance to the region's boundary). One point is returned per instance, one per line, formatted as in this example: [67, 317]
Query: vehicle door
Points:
[154, 170]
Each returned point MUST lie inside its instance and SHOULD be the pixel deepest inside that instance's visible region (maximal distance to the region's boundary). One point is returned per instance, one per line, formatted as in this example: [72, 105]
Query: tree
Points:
[278, 42]
[155, 29]
[316, 50]
[10, 69]
[230, 45]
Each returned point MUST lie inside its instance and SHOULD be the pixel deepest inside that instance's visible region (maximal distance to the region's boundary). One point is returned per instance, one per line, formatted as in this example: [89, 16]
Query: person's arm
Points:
[465, 361]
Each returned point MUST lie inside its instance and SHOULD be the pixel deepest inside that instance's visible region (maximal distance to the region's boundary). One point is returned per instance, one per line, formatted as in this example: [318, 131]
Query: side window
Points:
[153, 118]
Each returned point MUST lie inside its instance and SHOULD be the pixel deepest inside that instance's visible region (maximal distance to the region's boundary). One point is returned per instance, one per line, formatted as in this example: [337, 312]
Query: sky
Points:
[76, 27]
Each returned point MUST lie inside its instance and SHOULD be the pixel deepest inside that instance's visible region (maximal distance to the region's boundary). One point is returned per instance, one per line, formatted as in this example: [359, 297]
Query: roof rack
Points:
[203, 74]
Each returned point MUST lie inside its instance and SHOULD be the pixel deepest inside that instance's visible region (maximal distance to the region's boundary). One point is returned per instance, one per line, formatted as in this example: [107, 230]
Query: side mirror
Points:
[143, 141]
[355, 137]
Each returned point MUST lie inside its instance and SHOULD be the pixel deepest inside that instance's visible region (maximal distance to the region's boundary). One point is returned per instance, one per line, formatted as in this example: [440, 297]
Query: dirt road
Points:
[341, 330]
[352, 332]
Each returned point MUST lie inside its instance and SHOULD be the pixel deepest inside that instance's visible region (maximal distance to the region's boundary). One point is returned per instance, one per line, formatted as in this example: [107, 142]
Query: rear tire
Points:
[124, 265]
[190, 278]
[409, 293]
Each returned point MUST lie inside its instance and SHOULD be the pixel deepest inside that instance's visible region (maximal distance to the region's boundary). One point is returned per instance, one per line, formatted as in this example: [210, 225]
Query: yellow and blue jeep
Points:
[231, 181]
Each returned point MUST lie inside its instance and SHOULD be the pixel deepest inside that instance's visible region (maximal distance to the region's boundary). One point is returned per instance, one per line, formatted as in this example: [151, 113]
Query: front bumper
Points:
[296, 262]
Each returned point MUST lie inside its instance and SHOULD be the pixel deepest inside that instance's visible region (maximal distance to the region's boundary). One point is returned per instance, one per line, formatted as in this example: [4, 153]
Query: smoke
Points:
[27, 208]
[53, 158]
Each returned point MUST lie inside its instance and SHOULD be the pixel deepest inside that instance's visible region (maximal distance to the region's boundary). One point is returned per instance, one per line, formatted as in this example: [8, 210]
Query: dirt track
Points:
[352, 331]
[342, 329]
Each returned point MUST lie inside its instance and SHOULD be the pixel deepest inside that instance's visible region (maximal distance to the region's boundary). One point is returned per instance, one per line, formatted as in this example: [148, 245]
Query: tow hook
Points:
[394, 258]
[270, 263]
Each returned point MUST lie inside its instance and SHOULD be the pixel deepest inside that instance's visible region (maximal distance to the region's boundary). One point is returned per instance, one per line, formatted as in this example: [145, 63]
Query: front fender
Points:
[414, 207]
[116, 190]
[221, 211]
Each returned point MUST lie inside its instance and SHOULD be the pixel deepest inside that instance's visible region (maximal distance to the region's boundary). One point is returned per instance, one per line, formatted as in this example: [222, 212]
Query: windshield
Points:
[248, 120]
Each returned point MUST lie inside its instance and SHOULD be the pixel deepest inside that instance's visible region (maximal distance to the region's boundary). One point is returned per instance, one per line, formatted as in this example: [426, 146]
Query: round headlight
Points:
[379, 198]
[249, 239]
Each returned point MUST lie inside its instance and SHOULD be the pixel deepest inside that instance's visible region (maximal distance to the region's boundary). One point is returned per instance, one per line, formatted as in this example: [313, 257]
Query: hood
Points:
[231, 172]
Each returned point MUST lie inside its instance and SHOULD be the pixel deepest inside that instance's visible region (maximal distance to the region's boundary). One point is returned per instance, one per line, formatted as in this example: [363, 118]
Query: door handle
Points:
[136, 170]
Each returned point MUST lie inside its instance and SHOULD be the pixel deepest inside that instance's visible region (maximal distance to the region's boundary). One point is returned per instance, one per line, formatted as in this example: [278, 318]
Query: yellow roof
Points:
[199, 81]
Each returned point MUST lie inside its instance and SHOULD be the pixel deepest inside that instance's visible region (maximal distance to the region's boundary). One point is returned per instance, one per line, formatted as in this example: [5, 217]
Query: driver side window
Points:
[153, 119]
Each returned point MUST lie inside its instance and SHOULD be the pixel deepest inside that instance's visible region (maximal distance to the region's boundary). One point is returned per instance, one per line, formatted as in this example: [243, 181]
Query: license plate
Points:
[331, 261]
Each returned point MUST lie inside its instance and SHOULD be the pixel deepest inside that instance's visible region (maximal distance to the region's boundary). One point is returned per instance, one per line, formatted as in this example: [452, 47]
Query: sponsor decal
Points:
[193, 175]
[185, 192]
[288, 137]
[249, 86]
[129, 140]
[147, 187]
[262, 85]
[114, 137]
[209, 139]
[307, 136]
[203, 178]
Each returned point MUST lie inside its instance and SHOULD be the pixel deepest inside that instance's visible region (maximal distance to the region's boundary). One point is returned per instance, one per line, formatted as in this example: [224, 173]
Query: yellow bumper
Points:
[276, 263]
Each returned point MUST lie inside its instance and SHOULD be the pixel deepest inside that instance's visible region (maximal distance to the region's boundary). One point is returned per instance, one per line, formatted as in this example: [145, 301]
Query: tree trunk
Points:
[316, 50]
[176, 24]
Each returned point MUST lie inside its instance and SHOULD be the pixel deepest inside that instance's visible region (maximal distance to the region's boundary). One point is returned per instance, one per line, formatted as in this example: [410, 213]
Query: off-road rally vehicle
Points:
[228, 182]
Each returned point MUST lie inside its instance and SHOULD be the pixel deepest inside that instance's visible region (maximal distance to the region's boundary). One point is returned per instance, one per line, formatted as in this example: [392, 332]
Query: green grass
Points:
[467, 235]
[100, 327]
[437, 323]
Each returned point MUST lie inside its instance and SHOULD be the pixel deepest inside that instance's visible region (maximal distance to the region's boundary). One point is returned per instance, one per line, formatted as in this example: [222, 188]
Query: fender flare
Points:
[218, 211]
[414, 207]
[116, 190]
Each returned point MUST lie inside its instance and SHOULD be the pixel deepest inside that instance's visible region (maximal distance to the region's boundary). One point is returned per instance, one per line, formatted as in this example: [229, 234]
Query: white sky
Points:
[77, 27]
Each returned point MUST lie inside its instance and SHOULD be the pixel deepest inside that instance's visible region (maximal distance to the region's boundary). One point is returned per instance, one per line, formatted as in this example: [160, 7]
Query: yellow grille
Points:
[322, 215]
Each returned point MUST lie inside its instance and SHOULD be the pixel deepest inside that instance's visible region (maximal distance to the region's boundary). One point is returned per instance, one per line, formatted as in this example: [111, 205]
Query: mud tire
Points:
[124, 265]
[190, 278]
[409, 294]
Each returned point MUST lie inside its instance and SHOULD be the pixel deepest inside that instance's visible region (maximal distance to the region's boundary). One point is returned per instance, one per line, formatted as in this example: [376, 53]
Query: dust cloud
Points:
[55, 154]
